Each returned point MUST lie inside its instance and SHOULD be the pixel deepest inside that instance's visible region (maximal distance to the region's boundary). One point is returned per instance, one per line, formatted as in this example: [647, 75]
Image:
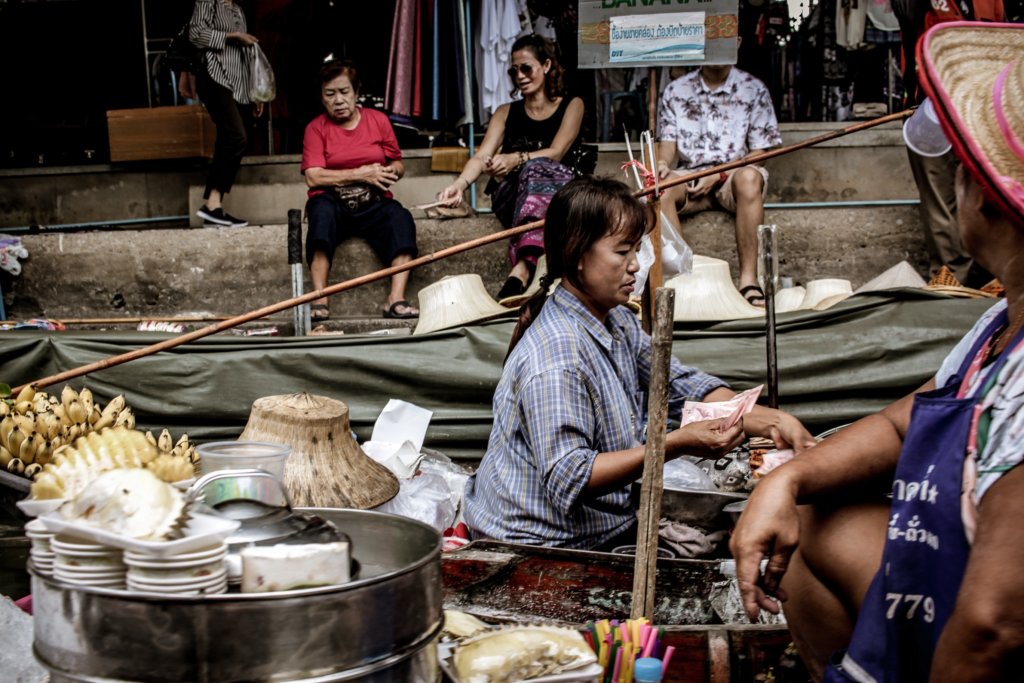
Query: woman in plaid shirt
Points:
[569, 418]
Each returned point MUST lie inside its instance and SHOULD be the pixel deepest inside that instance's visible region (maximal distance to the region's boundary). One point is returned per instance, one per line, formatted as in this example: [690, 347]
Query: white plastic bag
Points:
[262, 87]
[426, 498]
[676, 255]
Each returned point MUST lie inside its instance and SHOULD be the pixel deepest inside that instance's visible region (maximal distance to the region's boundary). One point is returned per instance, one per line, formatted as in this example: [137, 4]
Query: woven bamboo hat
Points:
[974, 75]
[789, 299]
[900, 275]
[327, 468]
[456, 300]
[832, 289]
[707, 293]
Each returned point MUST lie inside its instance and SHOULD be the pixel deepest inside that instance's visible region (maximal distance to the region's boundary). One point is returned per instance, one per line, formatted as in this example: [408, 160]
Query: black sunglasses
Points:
[525, 69]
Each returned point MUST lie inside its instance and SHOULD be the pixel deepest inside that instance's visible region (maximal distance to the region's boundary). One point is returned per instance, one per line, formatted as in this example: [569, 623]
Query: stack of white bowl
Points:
[85, 563]
[41, 552]
[201, 572]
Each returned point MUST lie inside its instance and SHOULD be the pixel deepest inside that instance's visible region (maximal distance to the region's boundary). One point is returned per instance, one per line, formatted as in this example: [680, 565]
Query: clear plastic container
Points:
[923, 133]
[243, 455]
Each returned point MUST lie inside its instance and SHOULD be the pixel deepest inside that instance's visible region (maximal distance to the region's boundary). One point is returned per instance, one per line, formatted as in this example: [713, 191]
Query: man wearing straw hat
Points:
[712, 116]
[925, 586]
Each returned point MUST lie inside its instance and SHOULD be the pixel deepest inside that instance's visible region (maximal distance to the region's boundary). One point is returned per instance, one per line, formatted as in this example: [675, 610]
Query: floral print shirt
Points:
[713, 127]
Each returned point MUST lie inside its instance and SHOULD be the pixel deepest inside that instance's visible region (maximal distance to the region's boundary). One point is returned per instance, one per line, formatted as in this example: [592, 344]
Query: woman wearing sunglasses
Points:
[525, 142]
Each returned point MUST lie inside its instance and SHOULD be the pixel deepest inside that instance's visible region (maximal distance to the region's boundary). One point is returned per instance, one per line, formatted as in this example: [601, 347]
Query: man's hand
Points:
[663, 170]
[705, 439]
[378, 175]
[701, 186]
[782, 428]
[769, 527]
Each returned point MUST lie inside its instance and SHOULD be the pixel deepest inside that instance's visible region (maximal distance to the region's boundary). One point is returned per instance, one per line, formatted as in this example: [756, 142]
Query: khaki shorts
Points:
[722, 197]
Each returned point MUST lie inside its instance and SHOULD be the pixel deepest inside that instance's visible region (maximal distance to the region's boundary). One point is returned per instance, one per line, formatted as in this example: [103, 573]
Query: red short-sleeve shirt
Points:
[327, 145]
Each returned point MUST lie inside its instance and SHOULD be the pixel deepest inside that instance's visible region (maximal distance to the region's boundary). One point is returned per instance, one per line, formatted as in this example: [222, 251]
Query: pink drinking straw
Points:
[664, 660]
[618, 663]
[652, 638]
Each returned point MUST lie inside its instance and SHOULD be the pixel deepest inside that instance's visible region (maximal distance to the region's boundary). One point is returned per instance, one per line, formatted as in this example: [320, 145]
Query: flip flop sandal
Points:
[752, 293]
[319, 313]
[392, 310]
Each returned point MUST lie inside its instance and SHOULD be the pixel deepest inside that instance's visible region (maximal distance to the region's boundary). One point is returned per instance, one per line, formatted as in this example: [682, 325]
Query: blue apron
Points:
[926, 549]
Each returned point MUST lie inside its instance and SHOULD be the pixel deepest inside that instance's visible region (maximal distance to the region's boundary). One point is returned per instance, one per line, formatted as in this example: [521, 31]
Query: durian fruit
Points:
[130, 502]
[73, 467]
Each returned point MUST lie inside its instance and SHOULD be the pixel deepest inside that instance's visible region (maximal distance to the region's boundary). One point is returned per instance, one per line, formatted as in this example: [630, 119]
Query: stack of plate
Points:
[41, 552]
[84, 563]
[201, 572]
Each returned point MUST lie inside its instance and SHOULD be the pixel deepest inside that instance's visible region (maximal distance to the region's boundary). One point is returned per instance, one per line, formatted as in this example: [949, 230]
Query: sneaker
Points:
[220, 217]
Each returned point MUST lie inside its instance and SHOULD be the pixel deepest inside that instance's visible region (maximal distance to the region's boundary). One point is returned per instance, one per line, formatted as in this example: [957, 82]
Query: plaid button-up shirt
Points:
[572, 388]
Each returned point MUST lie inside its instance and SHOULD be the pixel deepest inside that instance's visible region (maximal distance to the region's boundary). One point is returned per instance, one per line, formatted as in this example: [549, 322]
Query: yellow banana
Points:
[16, 466]
[95, 415]
[27, 452]
[104, 422]
[150, 438]
[40, 404]
[85, 396]
[42, 452]
[14, 441]
[73, 433]
[115, 406]
[5, 456]
[5, 408]
[126, 419]
[23, 407]
[164, 442]
[33, 470]
[77, 412]
[183, 441]
[62, 415]
[24, 423]
[67, 395]
[6, 427]
[26, 394]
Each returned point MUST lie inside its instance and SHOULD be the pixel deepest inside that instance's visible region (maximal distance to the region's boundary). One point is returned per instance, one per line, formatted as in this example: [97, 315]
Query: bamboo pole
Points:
[429, 258]
[649, 514]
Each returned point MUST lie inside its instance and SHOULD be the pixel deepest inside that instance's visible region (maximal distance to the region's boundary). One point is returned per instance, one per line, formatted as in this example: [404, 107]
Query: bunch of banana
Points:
[35, 425]
[177, 461]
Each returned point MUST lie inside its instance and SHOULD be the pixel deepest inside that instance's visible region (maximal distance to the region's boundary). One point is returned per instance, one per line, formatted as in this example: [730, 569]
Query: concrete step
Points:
[228, 271]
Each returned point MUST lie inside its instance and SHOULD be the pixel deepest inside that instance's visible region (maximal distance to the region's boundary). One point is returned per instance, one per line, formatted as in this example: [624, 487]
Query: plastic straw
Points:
[618, 664]
[665, 660]
[625, 632]
[652, 638]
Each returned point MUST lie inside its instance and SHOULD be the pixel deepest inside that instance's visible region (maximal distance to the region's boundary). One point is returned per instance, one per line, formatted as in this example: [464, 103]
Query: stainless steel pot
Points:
[382, 627]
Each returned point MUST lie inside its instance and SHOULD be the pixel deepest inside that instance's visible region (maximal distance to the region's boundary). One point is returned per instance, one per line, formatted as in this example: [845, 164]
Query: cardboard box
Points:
[160, 133]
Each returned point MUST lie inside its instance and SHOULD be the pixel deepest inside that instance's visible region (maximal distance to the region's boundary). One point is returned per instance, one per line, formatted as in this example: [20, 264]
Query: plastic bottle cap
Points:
[647, 670]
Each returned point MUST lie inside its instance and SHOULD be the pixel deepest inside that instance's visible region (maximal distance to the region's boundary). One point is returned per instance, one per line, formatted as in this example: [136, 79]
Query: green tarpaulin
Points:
[834, 367]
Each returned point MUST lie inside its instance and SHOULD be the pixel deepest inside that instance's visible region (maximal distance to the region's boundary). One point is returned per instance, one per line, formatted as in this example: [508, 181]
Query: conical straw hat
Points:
[900, 275]
[455, 300]
[828, 288]
[327, 468]
[707, 293]
[520, 299]
[788, 299]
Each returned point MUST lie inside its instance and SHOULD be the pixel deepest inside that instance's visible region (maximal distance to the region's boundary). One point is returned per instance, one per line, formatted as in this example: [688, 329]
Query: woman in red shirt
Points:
[351, 158]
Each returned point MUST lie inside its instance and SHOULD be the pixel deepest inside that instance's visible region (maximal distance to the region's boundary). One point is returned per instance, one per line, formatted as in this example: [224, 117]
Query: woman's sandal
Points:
[393, 312]
[753, 293]
[319, 313]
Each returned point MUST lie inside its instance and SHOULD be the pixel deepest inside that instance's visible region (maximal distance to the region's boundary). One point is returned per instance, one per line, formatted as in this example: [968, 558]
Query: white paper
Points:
[398, 437]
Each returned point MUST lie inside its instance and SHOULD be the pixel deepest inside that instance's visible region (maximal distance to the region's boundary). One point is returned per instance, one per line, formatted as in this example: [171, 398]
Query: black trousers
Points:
[231, 119]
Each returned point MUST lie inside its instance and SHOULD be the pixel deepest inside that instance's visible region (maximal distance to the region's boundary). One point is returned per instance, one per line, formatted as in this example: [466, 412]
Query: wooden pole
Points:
[423, 260]
[645, 568]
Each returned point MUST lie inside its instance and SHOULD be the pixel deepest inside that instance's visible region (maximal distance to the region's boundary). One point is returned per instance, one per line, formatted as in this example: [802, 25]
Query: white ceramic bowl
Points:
[175, 581]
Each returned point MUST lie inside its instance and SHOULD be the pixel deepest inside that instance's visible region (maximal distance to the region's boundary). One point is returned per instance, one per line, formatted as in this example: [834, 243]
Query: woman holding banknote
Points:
[570, 409]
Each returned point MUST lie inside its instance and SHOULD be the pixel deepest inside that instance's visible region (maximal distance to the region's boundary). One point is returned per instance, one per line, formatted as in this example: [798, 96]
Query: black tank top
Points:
[523, 134]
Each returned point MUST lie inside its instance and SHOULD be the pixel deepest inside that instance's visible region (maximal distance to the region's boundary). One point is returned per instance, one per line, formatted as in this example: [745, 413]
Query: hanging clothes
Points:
[499, 26]
[401, 66]
[851, 19]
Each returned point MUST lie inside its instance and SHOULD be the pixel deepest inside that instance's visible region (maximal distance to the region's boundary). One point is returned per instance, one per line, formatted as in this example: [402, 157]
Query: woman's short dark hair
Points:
[333, 68]
[584, 211]
[544, 50]
[581, 213]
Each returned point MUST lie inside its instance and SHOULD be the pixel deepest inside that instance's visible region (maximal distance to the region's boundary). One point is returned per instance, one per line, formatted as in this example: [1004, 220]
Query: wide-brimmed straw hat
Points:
[707, 293]
[974, 75]
[900, 275]
[826, 292]
[789, 299]
[456, 300]
[327, 468]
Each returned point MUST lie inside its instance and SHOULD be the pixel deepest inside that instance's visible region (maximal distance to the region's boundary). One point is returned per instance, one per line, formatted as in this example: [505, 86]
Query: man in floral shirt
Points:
[715, 115]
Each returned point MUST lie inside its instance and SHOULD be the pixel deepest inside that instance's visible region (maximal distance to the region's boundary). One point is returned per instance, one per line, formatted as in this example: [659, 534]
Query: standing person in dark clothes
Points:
[218, 28]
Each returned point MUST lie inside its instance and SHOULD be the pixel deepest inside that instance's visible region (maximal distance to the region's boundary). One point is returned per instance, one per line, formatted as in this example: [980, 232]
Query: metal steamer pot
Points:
[381, 627]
